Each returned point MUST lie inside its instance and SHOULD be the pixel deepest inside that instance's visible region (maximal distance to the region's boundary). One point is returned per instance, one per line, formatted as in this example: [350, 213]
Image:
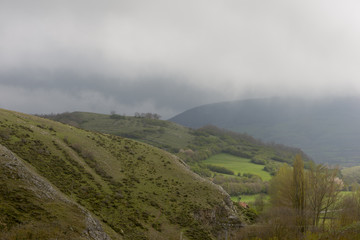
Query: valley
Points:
[126, 177]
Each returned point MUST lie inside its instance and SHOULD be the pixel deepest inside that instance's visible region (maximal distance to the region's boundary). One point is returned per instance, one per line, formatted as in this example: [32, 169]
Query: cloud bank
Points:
[168, 56]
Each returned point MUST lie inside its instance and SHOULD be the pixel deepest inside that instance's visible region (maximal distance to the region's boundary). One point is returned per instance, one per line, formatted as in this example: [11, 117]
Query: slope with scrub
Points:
[190, 144]
[136, 191]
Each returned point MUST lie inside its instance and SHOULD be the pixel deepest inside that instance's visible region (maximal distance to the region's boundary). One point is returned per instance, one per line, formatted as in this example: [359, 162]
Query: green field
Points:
[249, 198]
[238, 165]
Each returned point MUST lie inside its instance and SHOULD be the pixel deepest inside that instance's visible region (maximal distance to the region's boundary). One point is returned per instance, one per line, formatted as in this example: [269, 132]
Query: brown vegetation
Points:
[307, 205]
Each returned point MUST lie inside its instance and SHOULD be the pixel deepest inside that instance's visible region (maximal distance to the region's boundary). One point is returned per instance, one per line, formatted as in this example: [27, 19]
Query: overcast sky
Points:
[168, 56]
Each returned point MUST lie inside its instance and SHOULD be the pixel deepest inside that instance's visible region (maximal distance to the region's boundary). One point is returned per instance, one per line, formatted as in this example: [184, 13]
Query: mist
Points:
[166, 56]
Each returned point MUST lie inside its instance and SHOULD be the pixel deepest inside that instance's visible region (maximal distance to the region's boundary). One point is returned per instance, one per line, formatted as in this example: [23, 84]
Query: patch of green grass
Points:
[238, 165]
[249, 198]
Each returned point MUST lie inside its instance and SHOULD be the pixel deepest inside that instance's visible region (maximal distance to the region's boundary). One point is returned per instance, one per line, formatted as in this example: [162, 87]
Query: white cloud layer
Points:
[167, 56]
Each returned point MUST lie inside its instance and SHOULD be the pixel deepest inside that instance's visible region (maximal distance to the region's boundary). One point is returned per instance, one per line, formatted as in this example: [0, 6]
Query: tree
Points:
[350, 209]
[280, 188]
[310, 193]
[323, 191]
[299, 184]
[287, 194]
[299, 188]
[148, 115]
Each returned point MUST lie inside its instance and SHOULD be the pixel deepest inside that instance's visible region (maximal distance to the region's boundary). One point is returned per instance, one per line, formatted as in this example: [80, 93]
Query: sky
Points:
[166, 56]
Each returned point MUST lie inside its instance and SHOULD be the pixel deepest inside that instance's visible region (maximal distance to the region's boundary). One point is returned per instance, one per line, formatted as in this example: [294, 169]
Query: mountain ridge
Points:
[326, 129]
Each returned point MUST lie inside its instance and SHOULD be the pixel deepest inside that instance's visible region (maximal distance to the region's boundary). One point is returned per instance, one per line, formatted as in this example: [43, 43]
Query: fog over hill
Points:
[326, 129]
[168, 56]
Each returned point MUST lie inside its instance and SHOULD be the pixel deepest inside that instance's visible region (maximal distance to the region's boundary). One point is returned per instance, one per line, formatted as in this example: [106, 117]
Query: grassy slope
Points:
[137, 191]
[238, 165]
[31, 209]
[204, 143]
[173, 137]
[161, 134]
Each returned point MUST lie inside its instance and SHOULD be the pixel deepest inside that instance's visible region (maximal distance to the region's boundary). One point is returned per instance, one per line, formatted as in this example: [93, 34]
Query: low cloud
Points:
[166, 56]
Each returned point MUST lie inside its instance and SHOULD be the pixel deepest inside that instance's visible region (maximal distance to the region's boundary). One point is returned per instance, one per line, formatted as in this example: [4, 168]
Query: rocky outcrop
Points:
[19, 170]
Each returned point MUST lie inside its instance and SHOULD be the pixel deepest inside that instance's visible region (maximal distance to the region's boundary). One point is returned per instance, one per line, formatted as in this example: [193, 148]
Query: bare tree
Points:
[323, 193]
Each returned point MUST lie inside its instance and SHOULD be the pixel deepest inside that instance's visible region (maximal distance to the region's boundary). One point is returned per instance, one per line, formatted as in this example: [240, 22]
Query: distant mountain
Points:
[61, 182]
[328, 129]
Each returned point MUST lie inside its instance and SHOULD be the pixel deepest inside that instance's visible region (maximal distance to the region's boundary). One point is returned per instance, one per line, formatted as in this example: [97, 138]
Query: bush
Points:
[272, 167]
[204, 172]
[219, 169]
[258, 161]
[116, 116]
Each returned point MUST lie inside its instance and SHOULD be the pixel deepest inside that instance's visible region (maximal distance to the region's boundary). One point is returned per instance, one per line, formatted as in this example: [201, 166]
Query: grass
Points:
[200, 143]
[162, 134]
[26, 214]
[134, 189]
[238, 165]
[249, 198]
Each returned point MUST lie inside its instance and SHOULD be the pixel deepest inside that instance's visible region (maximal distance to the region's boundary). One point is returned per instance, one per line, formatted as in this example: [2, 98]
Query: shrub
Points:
[219, 169]
[258, 161]
[204, 172]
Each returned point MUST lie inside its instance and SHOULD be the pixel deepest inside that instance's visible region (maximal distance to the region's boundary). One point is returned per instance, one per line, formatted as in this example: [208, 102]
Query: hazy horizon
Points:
[170, 56]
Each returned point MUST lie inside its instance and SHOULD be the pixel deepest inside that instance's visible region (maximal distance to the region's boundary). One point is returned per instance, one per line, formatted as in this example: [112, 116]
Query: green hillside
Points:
[135, 191]
[31, 208]
[191, 145]
[162, 134]
[200, 148]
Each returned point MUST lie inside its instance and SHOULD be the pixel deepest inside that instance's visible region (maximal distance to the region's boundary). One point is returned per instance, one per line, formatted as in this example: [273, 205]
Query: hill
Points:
[192, 145]
[162, 134]
[327, 129]
[207, 150]
[61, 180]
[31, 208]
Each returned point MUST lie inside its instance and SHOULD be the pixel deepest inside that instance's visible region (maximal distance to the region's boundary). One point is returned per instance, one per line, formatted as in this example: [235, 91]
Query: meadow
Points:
[238, 165]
